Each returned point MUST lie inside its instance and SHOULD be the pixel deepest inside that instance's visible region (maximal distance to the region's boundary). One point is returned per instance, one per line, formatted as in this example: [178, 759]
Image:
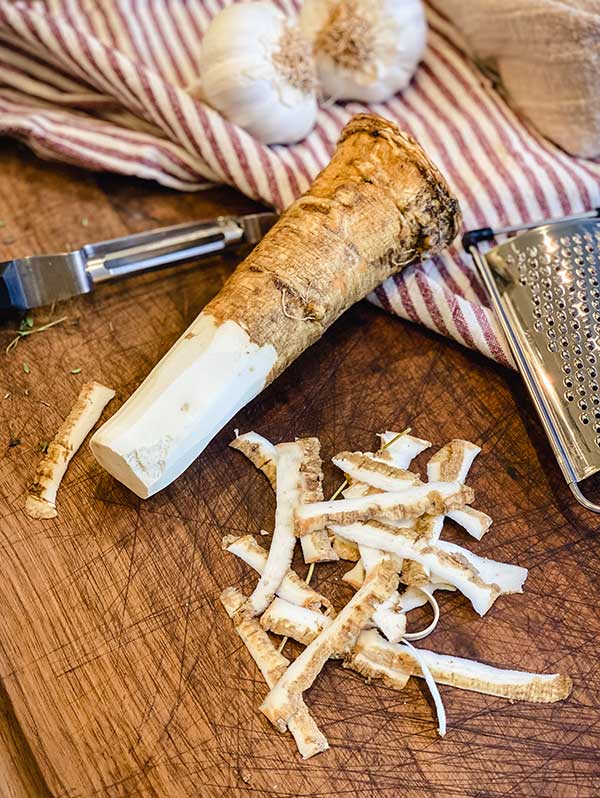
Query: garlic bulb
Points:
[257, 70]
[365, 50]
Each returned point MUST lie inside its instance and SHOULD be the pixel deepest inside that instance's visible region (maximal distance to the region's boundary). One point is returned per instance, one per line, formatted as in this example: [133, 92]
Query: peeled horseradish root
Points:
[379, 205]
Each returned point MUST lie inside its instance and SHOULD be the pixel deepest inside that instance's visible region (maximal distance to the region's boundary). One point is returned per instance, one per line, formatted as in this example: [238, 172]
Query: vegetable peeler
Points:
[544, 285]
[42, 279]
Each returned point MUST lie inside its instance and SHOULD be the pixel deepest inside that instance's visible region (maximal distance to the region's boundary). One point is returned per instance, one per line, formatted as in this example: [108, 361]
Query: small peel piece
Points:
[464, 674]
[272, 664]
[261, 453]
[508, 577]
[400, 448]
[337, 639]
[435, 498]
[288, 620]
[365, 467]
[345, 549]
[41, 498]
[472, 521]
[428, 529]
[292, 588]
[388, 617]
[452, 462]
[414, 597]
[433, 688]
[355, 576]
[316, 546]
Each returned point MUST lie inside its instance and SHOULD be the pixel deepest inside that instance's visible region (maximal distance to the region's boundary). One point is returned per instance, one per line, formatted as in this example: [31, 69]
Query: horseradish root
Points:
[379, 205]
[41, 499]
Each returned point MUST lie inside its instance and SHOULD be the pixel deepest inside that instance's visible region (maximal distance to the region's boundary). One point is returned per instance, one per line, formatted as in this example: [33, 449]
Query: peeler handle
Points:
[157, 249]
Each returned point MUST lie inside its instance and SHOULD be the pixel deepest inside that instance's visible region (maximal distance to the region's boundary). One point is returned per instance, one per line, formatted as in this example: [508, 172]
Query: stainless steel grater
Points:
[544, 285]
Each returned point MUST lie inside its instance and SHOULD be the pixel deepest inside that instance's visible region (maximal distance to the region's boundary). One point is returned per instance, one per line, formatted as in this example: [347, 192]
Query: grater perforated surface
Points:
[548, 280]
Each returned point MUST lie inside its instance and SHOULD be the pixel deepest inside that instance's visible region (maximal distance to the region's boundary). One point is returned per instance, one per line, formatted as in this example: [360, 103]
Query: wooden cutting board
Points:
[121, 674]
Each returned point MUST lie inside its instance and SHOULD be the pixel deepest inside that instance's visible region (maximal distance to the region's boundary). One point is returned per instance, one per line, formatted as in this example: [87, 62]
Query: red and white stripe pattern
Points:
[102, 85]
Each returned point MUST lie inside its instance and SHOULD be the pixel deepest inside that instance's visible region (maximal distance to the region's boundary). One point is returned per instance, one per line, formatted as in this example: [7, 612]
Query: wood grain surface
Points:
[123, 677]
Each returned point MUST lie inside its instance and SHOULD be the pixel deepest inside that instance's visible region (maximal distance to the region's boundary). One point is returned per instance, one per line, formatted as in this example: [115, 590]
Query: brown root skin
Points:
[379, 205]
[315, 546]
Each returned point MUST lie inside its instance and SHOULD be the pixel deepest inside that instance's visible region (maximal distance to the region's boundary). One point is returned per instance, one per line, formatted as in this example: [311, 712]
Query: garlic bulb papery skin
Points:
[257, 70]
[365, 50]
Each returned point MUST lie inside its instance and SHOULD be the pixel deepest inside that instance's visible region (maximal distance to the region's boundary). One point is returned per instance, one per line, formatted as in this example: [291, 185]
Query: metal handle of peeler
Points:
[167, 246]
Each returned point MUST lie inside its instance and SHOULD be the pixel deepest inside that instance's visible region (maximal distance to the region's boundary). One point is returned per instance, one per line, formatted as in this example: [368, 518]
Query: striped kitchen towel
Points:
[101, 83]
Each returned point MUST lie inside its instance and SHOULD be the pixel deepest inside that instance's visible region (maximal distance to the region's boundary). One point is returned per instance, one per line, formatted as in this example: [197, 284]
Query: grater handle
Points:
[583, 500]
[473, 237]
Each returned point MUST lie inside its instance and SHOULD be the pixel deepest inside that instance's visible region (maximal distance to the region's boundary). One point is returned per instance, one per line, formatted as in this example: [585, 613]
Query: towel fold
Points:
[545, 57]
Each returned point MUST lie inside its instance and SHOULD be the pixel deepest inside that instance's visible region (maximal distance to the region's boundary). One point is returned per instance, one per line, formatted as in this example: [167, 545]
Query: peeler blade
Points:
[42, 279]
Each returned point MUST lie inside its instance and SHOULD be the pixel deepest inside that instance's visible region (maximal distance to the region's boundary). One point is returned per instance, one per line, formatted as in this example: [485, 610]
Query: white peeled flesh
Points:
[199, 385]
[472, 521]
[240, 80]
